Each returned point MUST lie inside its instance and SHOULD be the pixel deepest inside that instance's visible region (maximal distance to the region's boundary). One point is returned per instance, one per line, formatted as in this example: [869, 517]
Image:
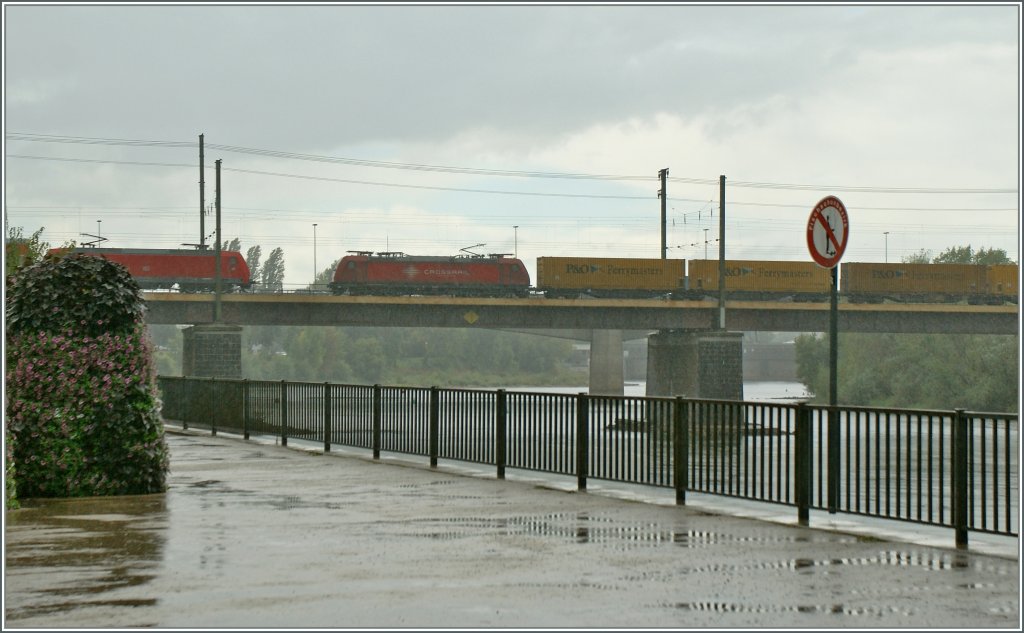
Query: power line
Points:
[342, 180]
[50, 138]
[482, 191]
[96, 160]
[46, 138]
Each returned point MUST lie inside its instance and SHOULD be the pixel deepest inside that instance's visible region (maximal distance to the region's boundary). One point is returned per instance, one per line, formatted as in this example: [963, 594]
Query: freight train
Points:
[503, 275]
[185, 270]
[604, 277]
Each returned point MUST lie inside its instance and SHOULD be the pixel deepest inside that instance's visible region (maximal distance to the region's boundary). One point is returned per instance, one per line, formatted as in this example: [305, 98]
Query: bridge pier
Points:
[212, 351]
[606, 374]
[695, 363]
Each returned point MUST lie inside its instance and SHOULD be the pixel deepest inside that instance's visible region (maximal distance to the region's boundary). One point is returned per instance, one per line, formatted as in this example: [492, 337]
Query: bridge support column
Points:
[212, 351]
[606, 375]
[695, 363]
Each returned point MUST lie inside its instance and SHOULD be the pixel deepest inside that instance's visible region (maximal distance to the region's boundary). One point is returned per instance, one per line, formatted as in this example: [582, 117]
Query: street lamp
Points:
[314, 253]
[98, 234]
[515, 228]
[886, 234]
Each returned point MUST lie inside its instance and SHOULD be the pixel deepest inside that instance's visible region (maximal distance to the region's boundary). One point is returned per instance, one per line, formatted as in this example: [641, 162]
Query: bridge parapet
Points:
[581, 314]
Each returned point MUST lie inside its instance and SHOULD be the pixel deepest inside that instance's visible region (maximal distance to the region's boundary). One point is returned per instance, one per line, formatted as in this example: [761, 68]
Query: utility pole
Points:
[721, 252]
[663, 194]
[216, 288]
[202, 194]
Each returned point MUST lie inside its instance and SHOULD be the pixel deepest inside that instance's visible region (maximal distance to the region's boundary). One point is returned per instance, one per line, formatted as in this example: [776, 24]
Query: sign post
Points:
[828, 231]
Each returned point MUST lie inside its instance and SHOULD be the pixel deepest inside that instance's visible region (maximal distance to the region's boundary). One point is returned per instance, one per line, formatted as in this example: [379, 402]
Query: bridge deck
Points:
[539, 313]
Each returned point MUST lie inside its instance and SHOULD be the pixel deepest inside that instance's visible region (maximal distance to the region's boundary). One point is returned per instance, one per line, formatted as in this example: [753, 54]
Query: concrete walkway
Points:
[254, 535]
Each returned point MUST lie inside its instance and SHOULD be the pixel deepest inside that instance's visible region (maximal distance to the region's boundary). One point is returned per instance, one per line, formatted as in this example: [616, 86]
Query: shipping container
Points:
[1003, 280]
[610, 277]
[760, 279]
[874, 282]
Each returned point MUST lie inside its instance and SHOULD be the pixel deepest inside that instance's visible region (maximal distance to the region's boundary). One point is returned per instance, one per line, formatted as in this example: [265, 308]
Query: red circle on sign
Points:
[828, 230]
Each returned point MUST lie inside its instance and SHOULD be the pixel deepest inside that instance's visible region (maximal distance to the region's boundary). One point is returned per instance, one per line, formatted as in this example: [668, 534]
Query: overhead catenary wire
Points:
[479, 191]
[50, 138]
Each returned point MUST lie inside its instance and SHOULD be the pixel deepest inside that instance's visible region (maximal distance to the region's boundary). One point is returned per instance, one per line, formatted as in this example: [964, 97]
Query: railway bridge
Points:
[688, 352]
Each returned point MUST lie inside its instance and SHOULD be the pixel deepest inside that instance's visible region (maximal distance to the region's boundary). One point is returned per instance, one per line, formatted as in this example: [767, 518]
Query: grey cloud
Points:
[312, 78]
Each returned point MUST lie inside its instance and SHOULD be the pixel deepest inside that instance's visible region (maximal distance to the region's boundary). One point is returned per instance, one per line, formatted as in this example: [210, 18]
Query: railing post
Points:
[377, 406]
[245, 409]
[327, 417]
[435, 414]
[961, 440]
[186, 409]
[213, 410]
[833, 460]
[680, 448]
[500, 430]
[284, 413]
[804, 479]
[582, 440]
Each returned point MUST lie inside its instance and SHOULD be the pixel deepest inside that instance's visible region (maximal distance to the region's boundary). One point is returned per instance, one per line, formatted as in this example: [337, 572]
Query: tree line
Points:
[931, 371]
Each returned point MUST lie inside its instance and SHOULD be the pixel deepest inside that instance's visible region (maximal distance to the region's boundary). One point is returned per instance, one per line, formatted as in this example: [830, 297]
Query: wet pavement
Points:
[254, 535]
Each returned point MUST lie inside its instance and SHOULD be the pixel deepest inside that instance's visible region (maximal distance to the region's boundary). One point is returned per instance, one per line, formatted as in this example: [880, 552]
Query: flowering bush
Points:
[10, 488]
[81, 394]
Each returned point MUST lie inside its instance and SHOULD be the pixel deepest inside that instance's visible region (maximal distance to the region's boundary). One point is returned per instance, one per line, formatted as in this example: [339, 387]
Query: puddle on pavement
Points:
[584, 528]
[928, 561]
[80, 549]
[837, 609]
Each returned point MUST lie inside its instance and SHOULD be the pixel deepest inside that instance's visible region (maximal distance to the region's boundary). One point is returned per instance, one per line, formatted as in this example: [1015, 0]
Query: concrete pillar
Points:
[606, 376]
[212, 351]
[695, 363]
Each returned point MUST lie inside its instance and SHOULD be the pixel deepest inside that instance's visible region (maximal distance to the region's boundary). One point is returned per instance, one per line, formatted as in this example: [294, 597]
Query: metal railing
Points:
[954, 469]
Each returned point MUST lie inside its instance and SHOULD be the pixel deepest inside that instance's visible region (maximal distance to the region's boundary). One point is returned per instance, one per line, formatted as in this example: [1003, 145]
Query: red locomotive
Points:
[189, 270]
[366, 272]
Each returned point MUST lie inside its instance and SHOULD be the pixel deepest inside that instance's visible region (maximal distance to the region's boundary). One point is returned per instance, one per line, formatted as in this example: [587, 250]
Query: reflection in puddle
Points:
[585, 528]
[84, 548]
[837, 609]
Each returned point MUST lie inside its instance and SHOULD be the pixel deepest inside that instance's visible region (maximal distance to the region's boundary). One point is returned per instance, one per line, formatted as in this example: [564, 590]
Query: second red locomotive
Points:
[365, 272]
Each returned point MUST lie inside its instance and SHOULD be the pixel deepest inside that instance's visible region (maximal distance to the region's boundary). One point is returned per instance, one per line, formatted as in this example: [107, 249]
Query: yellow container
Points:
[912, 279]
[759, 276]
[606, 273]
[1003, 280]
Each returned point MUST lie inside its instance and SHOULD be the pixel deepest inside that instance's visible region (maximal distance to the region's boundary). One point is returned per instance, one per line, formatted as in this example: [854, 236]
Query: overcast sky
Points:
[330, 114]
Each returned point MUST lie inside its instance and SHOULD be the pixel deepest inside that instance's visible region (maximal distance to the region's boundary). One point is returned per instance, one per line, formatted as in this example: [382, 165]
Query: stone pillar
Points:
[212, 351]
[606, 376]
[695, 363]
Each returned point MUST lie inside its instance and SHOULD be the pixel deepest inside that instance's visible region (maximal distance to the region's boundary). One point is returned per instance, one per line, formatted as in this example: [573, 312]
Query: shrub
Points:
[81, 391]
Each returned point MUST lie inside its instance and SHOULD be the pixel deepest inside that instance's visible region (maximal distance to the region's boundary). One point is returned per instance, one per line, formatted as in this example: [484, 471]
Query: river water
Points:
[779, 392]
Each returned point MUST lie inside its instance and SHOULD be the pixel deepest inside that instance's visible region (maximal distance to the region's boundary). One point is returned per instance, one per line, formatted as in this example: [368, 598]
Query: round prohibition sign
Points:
[828, 230]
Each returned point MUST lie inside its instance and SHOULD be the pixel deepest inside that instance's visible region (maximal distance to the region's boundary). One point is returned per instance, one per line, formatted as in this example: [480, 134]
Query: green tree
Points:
[272, 274]
[21, 251]
[252, 260]
[921, 257]
[366, 356]
[233, 245]
[961, 255]
[933, 371]
[955, 255]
